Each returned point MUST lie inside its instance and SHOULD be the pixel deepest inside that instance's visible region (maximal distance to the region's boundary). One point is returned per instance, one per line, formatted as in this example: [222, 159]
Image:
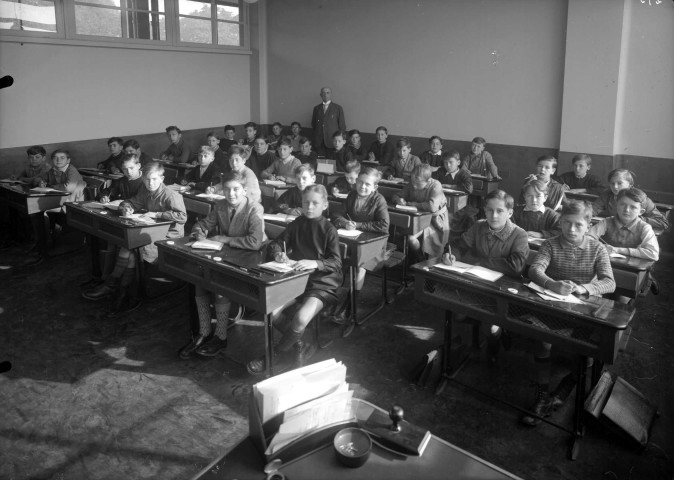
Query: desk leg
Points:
[403, 283]
[268, 345]
[446, 354]
[351, 323]
[41, 229]
[142, 292]
[381, 303]
[578, 427]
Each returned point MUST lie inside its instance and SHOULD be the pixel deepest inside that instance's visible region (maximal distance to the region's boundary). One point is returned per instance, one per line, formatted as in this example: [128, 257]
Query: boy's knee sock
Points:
[204, 312]
[222, 317]
[120, 266]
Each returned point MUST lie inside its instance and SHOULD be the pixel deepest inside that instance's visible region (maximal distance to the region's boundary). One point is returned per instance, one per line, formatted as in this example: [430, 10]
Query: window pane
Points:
[145, 25]
[229, 34]
[227, 12]
[153, 5]
[29, 15]
[110, 3]
[98, 21]
[195, 30]
[197, 8]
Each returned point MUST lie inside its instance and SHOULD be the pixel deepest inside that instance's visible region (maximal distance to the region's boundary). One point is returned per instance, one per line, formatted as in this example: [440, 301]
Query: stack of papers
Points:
[279, 267]
[279, 217]
[343, 232]
[308, 398]
[341, 195]
[475, 270]
[208, 245]
[12, 182]
[44, 190]
[276, 183]
[406, 208]
[211, 196]
[616, 255]
[139, 218]
[392, 180]
[536, 241]
[546, 294]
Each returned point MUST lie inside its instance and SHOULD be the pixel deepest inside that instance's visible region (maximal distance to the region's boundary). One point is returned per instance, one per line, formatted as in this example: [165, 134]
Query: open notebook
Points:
[475, 270]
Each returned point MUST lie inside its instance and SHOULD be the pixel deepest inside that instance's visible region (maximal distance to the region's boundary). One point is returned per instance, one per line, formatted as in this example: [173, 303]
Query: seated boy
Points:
[161, 203]
[495, 243]
[381, 150]
[284, 166]
[358, 150]
[229, 140]
[312, 241]
[220, 162]
[538, 220]
[546, 165]
[178, 151]
[606, 204]
[347, 183]
[206, 174]
[450, 173]
[305, 154]
[580, 180]
[36, 166]
[480, 161]
[241, 225]
[426, 195]
[290, 202]
[295, 137]
[113, 164]
[132, 147]
[435, 156]
[340, 153]
[261, 157]
[237, 162]
[64, 176]
[251, 134]
[570, 263]
[404, 162]
[276, 135]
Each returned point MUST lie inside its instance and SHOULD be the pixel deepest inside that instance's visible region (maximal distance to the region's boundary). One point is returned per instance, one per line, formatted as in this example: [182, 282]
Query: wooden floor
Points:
[90, 397]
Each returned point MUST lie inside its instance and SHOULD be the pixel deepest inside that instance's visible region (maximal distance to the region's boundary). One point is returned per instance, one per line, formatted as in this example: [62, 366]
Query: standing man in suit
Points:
[327, 118]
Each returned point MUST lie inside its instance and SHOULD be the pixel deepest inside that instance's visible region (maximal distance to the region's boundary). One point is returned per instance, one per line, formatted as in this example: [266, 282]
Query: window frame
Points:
[66, 31]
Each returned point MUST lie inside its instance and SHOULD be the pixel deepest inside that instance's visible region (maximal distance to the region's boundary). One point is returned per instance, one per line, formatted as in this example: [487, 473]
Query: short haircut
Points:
[232, 176]
[305, 167]
[284, 141]
[130, 157]
[239, 150]
[207, 150]
[403, 142]
[277, 124]
[537, 185]
[316, 188]
[624, 173]
[479, 140]
[36, 150]
[547, 158]
[304, 140]
[353, 132]
[352, 166]
[422, 171]
[340, 133]
[250, 124]
[115, 140]
[434, 137]
[259, 136]
[502, 195]
[171, 128]
[212, 134]
[371, 172]
[133, 143]
[60, 150]
[633, 194]
[153, 167]
[578, 207]
[454, 154]
[229, 128]
[582, 157]
[381, 127]
[296, 123]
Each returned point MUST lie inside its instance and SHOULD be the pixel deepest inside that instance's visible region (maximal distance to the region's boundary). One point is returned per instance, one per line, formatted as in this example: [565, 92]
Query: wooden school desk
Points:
[585, 197]
[270, 193]
[630, 274]
[108, 178]
[20, 198]
[456, 200]
[111, 227]
[440, 461]
[593, 329]
[483, 185]
[237, 277]
[199, 206]
[179, 168]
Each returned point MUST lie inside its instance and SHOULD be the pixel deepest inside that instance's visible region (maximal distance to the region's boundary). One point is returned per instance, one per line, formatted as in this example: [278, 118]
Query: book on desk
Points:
[475, 270]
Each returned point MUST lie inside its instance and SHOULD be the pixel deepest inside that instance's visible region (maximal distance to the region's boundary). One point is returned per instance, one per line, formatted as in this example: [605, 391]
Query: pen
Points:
[284, 249]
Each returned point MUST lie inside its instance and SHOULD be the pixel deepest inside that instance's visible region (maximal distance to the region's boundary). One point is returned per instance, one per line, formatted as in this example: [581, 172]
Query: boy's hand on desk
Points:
[610, 249]
[563, 287]
[199, 235]
[280, 257]
[535, 234]
[183, 182]
[115, 170]
[401, 201]
[448, 259]
[210, 190]
[13, 177]
[126, 210]
[371, 158]
[580, 290]
[350, 225]
[105, 199]
[42, 184]
[306, 265]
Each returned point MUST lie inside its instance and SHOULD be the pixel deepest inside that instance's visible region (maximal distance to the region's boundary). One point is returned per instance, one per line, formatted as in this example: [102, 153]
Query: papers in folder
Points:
[279, 217]
[546, 294]
[278, 266]
[211, 196]
[406, 208]
[44, 190]
[343, 232]
[207, 245]
[275, 183]
[475, 270]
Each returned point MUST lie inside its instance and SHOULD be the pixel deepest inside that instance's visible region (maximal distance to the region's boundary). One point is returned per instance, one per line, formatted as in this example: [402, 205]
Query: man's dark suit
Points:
[325, 124]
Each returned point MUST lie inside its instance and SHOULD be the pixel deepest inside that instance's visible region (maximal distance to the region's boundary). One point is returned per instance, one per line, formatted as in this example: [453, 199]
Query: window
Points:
[210, 24]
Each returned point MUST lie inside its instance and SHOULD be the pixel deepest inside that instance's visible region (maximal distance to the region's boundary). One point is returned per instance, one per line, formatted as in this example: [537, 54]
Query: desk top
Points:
[595, 310]
[100, 173]
[24, 190]
[113, 216]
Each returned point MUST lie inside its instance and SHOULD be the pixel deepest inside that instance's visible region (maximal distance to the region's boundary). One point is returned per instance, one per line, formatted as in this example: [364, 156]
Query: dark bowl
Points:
[352, 446]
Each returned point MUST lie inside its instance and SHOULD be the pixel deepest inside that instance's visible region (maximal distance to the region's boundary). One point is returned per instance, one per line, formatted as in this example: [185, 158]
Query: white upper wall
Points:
[457, 69]
[66, 93]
